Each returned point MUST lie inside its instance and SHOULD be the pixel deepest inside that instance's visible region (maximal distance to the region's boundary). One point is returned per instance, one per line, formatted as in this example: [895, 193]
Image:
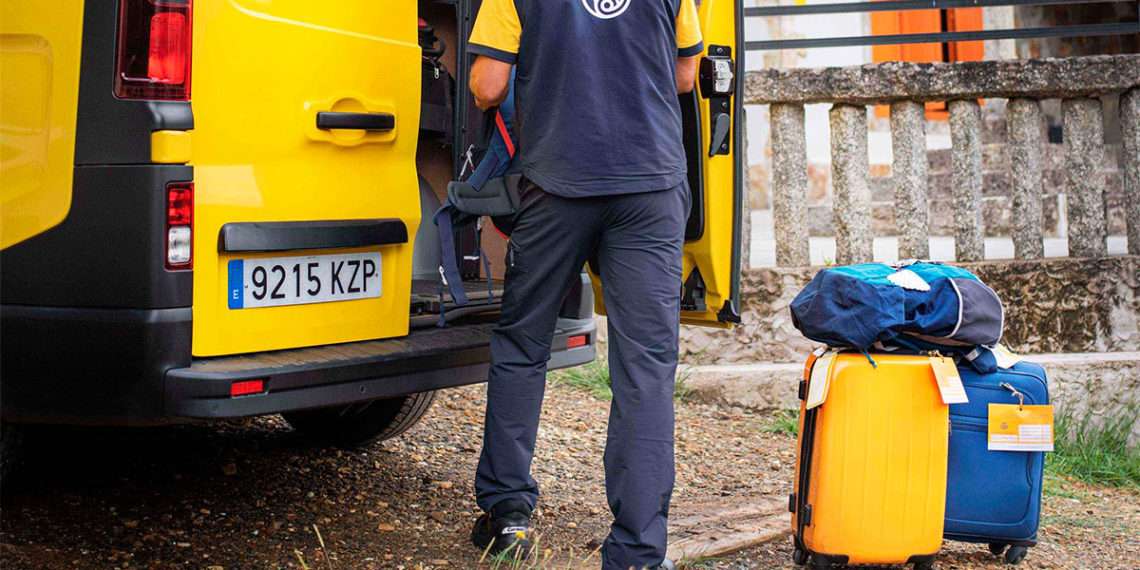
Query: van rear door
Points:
[306, 123]
[39, 94]
[713, 118]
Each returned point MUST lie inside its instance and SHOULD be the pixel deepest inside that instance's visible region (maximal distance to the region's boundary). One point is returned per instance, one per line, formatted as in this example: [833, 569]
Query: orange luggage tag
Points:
[949, 382]
[1018, 427]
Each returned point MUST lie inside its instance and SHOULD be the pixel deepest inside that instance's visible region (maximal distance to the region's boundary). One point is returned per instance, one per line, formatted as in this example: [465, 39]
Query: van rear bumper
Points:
[427, 359]
[133, 367]
[80, 365]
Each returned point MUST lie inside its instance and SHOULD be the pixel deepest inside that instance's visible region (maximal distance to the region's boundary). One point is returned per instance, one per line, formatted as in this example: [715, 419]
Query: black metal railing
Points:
[1081, 30]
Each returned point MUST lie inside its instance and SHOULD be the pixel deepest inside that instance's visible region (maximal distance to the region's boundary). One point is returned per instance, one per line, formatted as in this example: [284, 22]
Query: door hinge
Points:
[728, 313]
[693, 293]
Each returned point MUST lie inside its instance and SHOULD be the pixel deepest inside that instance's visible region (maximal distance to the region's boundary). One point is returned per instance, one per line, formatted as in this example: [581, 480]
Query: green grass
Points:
[786, 422]
[1097, 454]
[595, 379]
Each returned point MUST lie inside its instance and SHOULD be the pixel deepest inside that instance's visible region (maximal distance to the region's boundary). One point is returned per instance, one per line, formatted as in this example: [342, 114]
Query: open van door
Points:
[306, 202]
[712, 258]
[713, 118]
[39, 62]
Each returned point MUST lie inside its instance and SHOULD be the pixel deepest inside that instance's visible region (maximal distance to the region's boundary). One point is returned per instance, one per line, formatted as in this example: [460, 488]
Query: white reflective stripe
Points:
[961, 301]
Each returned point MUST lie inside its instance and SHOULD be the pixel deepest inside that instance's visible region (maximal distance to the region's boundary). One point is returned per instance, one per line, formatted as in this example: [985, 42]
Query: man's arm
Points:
[686, 73]
[495, 41]
[689, 45]
[490, 80]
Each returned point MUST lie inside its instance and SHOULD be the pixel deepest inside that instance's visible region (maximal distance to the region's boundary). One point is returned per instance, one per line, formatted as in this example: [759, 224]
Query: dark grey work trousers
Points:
[635, 241]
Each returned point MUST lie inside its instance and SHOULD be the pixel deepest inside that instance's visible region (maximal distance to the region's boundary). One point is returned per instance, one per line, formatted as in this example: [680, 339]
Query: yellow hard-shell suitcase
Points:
[871, 473]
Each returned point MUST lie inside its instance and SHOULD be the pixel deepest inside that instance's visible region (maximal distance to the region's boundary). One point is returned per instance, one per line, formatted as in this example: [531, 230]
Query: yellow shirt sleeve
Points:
[497, 31]
[689, 41]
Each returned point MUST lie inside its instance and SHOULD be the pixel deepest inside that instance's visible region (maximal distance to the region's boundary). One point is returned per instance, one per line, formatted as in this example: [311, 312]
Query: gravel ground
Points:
[255, 495]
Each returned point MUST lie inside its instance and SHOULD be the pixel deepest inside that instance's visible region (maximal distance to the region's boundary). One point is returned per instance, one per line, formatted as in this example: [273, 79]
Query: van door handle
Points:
[329, 120]
[718, 140]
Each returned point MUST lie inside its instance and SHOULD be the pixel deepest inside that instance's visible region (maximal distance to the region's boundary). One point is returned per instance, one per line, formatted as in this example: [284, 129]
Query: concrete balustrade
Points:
[1026, 127]
[908, 145]
[966, 144]
[1130, 131]
[789, 184]
[849, 164]
[1084, 180]
[1078, 82]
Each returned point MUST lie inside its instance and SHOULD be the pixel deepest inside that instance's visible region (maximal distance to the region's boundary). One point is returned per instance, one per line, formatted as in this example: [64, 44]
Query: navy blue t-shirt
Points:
[595, 93]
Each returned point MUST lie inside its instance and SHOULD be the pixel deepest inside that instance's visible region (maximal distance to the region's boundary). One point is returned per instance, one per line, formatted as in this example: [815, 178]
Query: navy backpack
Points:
[915, 307]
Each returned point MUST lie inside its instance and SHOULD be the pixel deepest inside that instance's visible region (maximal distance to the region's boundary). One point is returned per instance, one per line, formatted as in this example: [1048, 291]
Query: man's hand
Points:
[489, 81]
[686, 73]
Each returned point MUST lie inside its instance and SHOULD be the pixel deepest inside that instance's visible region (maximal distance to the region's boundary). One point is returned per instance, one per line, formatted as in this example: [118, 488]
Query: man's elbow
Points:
[487, 95]
[686, 74]
[490, 81]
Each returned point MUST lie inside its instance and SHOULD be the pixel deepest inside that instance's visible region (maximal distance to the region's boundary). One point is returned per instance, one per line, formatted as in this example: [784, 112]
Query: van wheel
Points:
[358, 424]
[11, 445]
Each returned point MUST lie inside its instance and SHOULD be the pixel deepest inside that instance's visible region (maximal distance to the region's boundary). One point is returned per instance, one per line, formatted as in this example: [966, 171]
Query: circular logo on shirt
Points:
[606, 9]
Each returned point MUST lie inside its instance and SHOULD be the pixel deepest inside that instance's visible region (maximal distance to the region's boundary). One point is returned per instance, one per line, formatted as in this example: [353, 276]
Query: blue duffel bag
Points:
[994, 497]
[917, 307]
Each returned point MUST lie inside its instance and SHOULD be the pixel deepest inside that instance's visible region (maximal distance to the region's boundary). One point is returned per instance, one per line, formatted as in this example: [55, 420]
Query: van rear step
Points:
[426, 359]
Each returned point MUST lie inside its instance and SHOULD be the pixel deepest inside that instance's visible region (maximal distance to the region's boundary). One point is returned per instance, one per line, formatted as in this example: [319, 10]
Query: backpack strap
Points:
[486, 192]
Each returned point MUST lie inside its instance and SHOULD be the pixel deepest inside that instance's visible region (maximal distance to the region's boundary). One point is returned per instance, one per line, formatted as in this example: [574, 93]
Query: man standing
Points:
[599, 128]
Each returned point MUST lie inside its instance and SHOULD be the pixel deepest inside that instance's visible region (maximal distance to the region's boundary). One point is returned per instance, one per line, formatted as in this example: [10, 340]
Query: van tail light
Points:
[247, 387]
[180, 225]
[153, 54]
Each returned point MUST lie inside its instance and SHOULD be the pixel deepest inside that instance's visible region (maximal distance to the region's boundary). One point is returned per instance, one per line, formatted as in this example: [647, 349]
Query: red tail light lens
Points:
[153, 59]
[246, 387]
[180, 225]
[577, 341]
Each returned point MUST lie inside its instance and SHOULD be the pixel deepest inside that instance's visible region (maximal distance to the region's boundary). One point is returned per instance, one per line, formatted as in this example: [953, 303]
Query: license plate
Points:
[277, 281]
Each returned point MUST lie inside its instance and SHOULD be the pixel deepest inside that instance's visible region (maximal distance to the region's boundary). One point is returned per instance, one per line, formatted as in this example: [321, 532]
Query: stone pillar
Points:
[789, 184]
[908, 173]
[1130, 127]
[1084, 176]
[1025, 124]
[966, 154]
[849, 166]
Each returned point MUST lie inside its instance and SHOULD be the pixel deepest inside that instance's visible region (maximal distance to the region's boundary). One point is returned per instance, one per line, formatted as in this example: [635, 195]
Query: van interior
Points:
[452, 128]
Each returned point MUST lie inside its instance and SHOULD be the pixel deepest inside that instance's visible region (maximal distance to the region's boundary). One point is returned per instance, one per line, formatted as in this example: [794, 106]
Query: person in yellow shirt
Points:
[604, 180]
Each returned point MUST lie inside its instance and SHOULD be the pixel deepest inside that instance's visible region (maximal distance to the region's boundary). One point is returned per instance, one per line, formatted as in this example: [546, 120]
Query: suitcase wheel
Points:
[799, 556]
[924, 565]
[820, 563]
[1015, 554]
[996, 548]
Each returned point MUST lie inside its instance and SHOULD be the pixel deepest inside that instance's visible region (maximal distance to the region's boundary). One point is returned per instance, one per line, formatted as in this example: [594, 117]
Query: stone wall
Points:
[1052, 305]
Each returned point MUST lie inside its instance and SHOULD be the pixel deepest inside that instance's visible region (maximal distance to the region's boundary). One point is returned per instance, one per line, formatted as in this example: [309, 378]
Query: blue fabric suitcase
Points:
[994, 497]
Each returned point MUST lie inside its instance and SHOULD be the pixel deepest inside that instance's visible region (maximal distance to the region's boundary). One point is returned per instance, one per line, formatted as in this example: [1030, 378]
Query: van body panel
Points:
[40, 45]
[263, 74]
[109, 252]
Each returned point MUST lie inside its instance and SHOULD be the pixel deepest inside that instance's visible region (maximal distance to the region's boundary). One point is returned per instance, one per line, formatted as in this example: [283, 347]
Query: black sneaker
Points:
[506, 527]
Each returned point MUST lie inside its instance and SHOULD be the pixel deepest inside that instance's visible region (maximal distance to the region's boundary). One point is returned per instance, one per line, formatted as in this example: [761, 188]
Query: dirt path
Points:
[252, 495]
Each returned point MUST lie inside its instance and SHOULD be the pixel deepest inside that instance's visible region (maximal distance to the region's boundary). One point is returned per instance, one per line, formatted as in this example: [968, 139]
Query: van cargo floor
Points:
[425, 294]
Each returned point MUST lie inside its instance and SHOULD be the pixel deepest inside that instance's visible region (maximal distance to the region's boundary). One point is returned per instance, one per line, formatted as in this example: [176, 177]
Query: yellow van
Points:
[214, 209]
